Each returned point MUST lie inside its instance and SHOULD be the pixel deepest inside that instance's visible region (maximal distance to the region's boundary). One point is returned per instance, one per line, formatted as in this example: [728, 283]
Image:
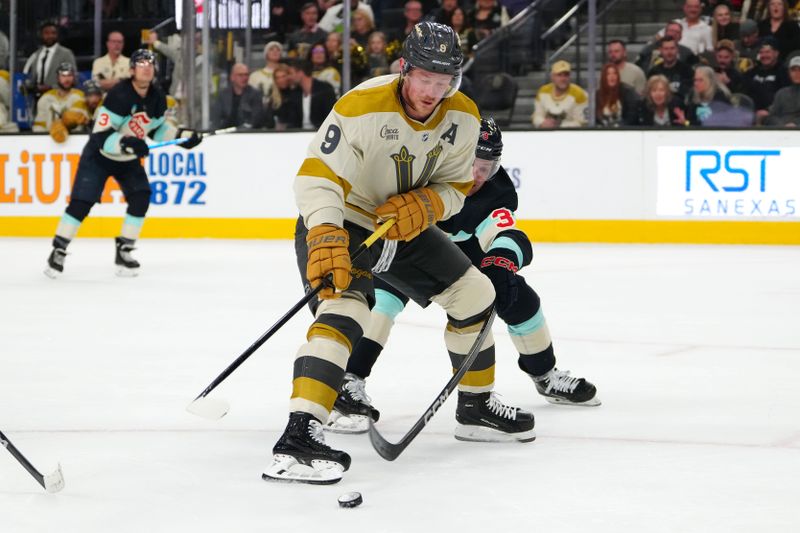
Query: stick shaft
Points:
[369, 241]
[21, 459]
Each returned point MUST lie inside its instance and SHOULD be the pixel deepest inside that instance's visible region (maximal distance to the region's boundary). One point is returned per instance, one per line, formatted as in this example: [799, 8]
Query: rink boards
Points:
[703, 186]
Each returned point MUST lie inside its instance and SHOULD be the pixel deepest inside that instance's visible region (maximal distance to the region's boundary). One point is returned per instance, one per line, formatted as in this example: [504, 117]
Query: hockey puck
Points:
[349, 500]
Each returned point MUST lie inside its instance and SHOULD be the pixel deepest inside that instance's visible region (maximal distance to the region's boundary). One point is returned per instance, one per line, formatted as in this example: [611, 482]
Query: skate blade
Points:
[286, 469]
[352, 424]
[54, 482]
[483, 434]
[124, 272]
[594, 402]
[52, 273]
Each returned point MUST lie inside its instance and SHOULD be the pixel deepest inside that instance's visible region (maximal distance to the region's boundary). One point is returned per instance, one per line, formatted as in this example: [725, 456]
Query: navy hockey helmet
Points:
[490, 141]
[143, 54]
[436, 48]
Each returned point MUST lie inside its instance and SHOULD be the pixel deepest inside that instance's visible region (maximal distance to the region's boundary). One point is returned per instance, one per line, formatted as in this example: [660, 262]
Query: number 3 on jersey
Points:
[503, 217]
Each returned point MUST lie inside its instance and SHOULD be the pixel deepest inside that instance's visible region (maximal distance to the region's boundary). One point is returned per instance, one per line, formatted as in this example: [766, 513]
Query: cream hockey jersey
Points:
[368, 149]
[52, 105]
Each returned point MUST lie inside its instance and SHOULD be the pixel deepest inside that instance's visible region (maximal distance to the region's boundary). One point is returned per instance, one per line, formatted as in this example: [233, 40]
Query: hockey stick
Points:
[390, 451]
[216, 408]
[51, 482]
[182, 140]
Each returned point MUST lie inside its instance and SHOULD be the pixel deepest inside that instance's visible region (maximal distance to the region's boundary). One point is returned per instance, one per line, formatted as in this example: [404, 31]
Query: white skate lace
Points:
[355, 386]
[561, 381]
[501, 409]
[316, 433]
[125, 252]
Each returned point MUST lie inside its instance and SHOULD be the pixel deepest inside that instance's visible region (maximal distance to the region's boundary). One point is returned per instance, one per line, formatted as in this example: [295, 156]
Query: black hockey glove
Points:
[134, 146]
[499, 265]
[193, 136]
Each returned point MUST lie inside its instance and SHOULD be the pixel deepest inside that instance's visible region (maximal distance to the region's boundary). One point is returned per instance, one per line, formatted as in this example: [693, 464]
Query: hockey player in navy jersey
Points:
[132, 110]
[485, 230]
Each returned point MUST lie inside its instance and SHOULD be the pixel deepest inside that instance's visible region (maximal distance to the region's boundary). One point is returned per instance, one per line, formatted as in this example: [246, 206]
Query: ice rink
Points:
[695, 351]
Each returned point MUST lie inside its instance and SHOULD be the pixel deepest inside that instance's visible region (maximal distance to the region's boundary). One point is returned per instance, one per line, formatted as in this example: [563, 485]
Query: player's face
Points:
[92, 100]
[423, 90]
[66, 80]
[143, 72]
[482, 170]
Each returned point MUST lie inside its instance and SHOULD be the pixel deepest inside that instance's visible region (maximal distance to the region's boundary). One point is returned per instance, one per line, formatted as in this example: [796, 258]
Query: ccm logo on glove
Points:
[499, 261]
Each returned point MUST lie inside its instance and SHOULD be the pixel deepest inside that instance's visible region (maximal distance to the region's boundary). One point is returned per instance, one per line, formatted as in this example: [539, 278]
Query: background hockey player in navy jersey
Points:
[132, 110]
[486, 232]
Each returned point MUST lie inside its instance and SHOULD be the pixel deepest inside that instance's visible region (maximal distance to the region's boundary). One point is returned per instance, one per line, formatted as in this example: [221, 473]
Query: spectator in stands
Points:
[93, 95]
[4, 46]
[725, 61]
[109, 69]
[707, 98]
[678, 73]
[332, 20]
[362, 27]
[378, 55]
[629, 73]
[660, 107]
[487, 17]
[333, 44]
[722, 25]
[261, 79]
[7, 125]
[412, 13]
[281, 86]
[747, 46]
[709, 6]
[780, 25]
[650, 53]
[308, 106]
[299, 42]
[323, 70]
[560, 104]
[696, 32]
[785, 108]
[280, 19]
[617, 102]
[42, 67]
[766, 78]
[458, 21]
[443, 13]
[238, 105]
[62, 109]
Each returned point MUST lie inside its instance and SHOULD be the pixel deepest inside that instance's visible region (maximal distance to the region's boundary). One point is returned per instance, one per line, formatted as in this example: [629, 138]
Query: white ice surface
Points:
[695, 351]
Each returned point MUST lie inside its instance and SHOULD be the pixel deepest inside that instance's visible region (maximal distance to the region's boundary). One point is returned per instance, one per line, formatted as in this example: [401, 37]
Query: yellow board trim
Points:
[315, 391]
[477, 378]
[600, 231]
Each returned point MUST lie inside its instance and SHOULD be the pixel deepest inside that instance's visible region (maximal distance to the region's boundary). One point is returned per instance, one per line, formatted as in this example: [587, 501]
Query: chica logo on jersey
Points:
[138, 124]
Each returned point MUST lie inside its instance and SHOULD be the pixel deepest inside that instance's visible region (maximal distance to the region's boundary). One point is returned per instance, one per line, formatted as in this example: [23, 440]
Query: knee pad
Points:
[79, 209]
[467, 300]
[526, 306]
[138, 203]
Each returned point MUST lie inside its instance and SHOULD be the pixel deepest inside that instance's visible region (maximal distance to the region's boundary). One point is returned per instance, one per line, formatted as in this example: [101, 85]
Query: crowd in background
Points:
[729, 64]
[724, 63]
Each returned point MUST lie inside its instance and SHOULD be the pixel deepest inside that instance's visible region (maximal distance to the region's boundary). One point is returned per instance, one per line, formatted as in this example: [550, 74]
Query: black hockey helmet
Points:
[436, 48]
[66, 68]
[143, 54]
[91, 87]
[490, 141]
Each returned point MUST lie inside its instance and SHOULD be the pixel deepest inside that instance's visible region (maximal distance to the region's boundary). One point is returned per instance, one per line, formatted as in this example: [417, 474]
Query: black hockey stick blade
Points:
[53, 482]
[216, 408]
[391, 451]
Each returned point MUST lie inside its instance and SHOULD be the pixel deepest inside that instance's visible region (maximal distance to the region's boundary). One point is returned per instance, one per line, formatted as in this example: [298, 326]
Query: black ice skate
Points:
[302, 456]
[482, 417]
[352, 408]
[127, 266]
[558, 387]
[55, 263]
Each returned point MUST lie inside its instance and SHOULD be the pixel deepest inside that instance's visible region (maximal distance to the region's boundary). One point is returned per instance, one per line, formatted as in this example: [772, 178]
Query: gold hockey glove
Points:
[414, 210]
[73, 118]
[58, 131]
[328, 254]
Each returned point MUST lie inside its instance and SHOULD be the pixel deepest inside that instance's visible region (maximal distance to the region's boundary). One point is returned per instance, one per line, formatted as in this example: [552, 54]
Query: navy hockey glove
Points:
[500, 267]
[193, 137]
[134, 146]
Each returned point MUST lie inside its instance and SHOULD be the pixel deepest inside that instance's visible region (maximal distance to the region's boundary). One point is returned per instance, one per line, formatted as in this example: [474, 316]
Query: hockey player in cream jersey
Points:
[63, 108]
[394, 147]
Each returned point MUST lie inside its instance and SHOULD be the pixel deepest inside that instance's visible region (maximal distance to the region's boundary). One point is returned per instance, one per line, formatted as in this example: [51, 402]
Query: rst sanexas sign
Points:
[728, 182]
